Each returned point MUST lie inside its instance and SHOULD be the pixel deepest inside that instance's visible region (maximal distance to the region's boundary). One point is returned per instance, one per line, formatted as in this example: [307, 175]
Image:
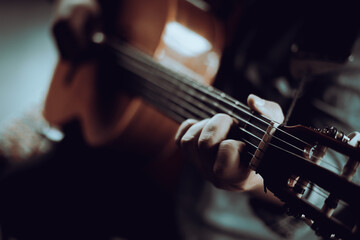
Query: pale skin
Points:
[218, 158]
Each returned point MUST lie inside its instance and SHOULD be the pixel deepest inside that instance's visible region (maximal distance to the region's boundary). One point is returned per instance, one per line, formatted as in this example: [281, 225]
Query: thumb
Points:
[269, 109]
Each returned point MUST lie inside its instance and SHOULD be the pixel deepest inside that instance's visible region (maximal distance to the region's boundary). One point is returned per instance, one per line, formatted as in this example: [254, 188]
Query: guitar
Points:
[288, 158]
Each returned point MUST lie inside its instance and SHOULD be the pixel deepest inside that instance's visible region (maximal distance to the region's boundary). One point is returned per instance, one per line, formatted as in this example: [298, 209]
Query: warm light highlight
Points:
[184, 41]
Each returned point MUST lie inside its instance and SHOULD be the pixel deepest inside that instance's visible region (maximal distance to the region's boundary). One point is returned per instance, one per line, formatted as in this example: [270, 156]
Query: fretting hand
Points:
[218, 158]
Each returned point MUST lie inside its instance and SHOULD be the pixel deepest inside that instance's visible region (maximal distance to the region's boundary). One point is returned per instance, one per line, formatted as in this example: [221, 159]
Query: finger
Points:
[269, 109]
[189, 144]
[227, 164]
[183, 128]
[230, 173]
[215, 130]
[189, 140]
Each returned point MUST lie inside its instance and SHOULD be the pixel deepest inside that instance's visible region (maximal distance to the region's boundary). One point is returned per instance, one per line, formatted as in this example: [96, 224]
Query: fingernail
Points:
[259, 102]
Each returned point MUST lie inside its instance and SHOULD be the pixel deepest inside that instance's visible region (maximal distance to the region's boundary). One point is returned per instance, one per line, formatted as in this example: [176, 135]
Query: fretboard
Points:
[180, 97]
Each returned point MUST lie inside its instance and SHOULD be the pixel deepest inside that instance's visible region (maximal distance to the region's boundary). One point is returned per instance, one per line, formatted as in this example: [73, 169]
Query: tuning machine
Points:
[333, 132]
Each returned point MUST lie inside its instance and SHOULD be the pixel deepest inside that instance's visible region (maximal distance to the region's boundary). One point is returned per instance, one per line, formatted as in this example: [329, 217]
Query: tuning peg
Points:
[330, 131]
[333, 132]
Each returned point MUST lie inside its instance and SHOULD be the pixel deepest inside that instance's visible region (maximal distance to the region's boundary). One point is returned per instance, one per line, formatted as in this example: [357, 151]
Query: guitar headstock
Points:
[296, 167]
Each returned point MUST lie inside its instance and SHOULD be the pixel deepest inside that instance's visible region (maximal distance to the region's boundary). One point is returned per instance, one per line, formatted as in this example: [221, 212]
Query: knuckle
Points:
[187, 124]
[205, 141]
[187, 140]
[189, 121]
[230, 145]
[222, 117]
[227, 145]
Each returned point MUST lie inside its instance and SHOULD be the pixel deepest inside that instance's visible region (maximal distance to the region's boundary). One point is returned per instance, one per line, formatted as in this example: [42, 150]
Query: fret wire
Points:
[210, 93]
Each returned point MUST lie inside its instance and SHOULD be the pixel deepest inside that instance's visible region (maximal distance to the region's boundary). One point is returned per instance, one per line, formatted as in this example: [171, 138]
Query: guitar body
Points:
[133, 123]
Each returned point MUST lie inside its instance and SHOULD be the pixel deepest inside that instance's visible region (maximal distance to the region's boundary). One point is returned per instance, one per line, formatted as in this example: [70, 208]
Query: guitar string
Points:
[191, 115]
[303, 158]
[183, 114]
[275, 137]
[215, 104]
[320, 191]
[208, 90]
[279, 139]
[205, 90]
[228, 111]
